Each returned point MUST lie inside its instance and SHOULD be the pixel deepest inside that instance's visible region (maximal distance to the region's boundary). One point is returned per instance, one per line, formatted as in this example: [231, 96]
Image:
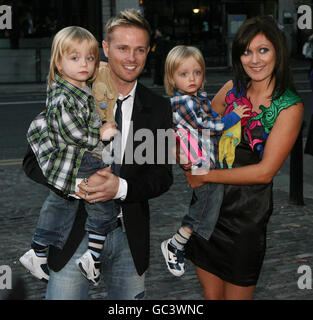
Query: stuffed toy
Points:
[105, 94]
[228, 143]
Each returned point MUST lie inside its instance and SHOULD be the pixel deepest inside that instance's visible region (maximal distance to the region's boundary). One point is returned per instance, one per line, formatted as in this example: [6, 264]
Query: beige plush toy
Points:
[105, 94]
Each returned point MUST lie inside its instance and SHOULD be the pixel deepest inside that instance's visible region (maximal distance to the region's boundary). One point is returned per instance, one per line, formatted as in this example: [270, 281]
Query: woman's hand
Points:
[196, 178]
[101, 186]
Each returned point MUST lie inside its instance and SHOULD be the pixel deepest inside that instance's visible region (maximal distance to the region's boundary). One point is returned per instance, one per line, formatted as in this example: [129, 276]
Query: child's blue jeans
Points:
[204, 209]
[57, 214]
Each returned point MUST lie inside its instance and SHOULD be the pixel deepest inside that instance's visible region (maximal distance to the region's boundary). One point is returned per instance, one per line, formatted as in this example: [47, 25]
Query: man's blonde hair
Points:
[128, 18]
[174, 60]
[62, 43]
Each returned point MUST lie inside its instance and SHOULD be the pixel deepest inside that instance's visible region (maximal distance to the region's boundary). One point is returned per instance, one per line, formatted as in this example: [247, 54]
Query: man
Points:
[125, 255]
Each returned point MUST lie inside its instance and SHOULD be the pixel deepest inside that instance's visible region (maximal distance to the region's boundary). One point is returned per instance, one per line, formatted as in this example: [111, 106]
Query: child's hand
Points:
[240, 110]
[108, 131]
[181, 157]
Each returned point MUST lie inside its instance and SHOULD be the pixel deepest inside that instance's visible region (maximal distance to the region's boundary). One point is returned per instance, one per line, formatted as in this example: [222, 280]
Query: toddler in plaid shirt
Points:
[197, 129]
[66, 139]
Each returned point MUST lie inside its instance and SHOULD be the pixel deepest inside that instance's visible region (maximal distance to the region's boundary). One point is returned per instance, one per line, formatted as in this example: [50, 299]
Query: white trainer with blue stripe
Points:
[174, 258]
[36, 265]
[86, 264]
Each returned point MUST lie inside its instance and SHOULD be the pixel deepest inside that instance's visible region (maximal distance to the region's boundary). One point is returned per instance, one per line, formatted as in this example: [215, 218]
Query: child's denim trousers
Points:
[58, 214]
[204, 209]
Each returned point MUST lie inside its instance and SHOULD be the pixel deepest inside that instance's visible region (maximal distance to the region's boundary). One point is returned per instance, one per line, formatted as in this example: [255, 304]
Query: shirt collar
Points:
[73, 89]
[202, 95]
[131, 93]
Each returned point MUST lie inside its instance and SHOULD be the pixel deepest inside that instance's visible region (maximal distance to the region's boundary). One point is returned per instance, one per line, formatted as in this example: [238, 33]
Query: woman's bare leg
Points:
[233, 292]
[214, 288]
[212, 285]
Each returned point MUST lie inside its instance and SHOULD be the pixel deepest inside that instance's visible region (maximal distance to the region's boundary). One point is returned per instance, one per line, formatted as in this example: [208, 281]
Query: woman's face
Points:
[259, 58]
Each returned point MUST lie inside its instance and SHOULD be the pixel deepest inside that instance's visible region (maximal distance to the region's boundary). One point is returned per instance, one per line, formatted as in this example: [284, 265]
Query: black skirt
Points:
[236, 249]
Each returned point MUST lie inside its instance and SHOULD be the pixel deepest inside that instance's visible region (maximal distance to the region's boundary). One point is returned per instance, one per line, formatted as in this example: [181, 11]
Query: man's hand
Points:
[101, 186]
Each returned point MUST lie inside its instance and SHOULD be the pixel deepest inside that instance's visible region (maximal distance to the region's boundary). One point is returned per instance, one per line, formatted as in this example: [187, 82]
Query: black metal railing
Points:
[296, 171]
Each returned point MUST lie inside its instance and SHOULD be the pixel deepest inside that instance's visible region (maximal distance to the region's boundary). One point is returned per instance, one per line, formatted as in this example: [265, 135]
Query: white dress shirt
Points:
[127, 110]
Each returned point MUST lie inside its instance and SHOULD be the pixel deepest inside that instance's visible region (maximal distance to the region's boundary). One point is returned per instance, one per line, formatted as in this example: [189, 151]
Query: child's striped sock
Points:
[40, 250]
[95, 244]
[180, 238]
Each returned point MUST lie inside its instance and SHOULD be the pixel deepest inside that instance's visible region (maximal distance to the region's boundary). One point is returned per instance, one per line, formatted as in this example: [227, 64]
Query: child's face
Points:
[188, 77]
[78, 64]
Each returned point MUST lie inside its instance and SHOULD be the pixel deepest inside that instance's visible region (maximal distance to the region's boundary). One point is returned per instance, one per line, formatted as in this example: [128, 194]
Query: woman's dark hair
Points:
[245, 34]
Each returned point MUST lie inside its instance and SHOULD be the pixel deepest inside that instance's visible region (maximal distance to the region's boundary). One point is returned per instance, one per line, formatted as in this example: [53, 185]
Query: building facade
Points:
[207, 24]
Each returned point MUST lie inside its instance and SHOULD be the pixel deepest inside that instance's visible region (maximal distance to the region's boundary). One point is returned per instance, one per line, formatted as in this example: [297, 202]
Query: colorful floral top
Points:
[256, 128]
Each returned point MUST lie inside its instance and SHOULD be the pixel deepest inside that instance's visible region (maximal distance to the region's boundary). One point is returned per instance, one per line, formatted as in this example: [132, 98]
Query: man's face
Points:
[126, 50]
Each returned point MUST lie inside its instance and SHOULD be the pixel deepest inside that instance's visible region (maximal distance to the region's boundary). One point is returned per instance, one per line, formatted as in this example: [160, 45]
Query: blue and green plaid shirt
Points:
[61, 134]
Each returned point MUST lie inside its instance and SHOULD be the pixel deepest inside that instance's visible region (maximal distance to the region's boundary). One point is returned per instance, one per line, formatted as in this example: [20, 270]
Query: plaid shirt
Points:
[194, 114]
[61, 134]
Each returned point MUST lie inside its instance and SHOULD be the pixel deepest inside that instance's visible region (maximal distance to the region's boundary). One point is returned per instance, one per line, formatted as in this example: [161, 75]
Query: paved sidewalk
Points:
[289, 239]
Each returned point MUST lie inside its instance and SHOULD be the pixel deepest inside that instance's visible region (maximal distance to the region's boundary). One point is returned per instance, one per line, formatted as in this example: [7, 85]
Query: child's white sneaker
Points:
[37, 266]
[174, 258]
[86, 264]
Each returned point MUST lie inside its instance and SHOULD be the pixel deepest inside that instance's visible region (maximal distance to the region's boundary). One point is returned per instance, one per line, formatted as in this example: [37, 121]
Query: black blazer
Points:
[145, 182]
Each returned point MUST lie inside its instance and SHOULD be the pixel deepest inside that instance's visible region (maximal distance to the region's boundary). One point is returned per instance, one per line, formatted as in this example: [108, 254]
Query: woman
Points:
[228, 264]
